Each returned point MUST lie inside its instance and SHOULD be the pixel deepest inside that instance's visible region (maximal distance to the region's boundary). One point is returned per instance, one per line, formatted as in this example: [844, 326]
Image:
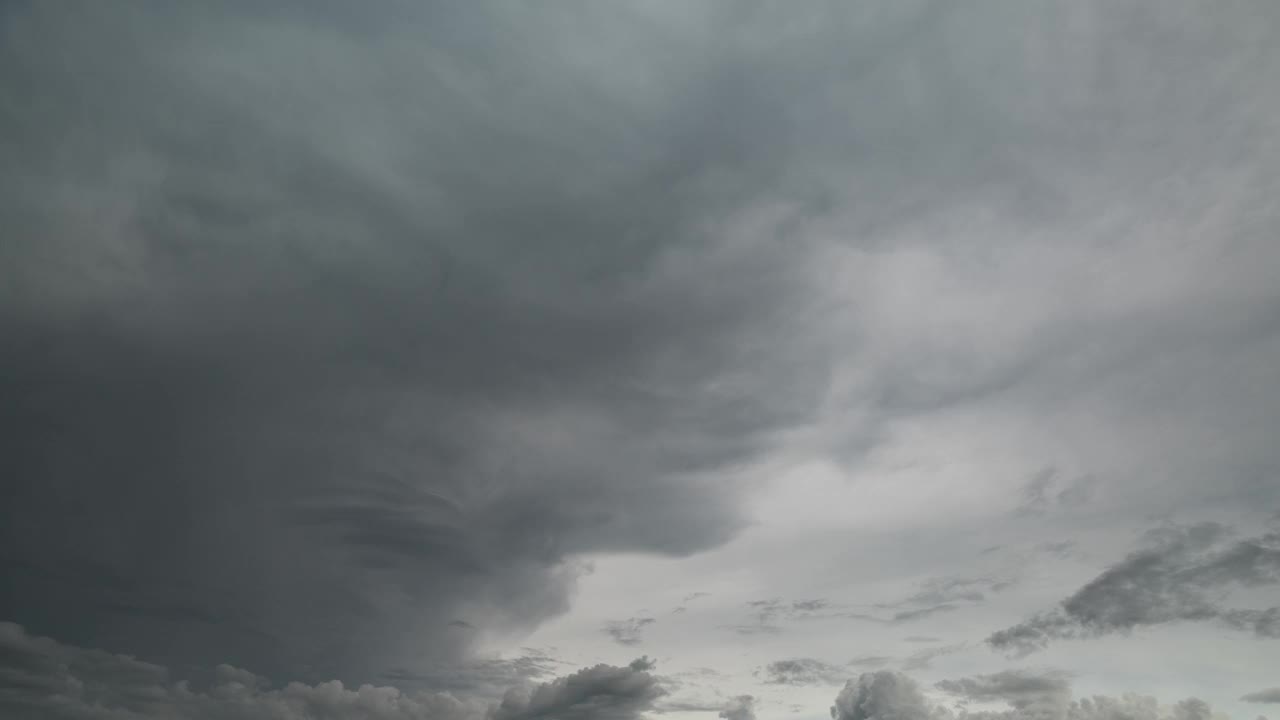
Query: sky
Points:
[572, 360]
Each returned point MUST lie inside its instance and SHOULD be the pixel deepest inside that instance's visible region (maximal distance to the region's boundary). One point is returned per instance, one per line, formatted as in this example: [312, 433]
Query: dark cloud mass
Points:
[314, 331]
[46, 680]
[340, 341]
[1179, 578]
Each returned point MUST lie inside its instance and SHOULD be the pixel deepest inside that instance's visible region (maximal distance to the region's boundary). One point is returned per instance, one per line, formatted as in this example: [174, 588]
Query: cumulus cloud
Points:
[603, 692]
[1178, 578]
[742, 707]
[883, 695]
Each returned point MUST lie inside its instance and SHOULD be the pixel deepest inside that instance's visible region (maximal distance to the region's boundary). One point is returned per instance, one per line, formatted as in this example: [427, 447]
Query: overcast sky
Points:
[592, 360]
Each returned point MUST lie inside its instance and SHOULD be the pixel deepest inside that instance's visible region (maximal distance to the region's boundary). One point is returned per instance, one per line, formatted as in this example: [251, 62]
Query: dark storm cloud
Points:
[603, 692]
[321, 327]
[1179, 578]
[627, 632]
[45, 680]
[1270, 695]
[316, 331]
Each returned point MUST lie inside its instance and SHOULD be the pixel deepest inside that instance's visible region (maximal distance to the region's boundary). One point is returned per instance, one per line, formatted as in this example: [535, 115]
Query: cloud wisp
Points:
[627, 632]
[1179, 578]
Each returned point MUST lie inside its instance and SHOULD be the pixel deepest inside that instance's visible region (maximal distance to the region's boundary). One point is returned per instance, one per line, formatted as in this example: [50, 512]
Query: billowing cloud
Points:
[1178, 578]
[603, 692]
[742, 707]
[882, 695]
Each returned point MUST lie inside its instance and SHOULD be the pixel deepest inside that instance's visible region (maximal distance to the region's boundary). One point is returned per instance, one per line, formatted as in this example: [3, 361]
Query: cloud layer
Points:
[46, 680]
[344, 343]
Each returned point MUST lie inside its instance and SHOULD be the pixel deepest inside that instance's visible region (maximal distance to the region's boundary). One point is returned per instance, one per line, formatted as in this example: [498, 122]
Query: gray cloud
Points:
[882, 695]
[1046, 695]
[627, 632]
[909, 615]
[1033, 695]
[322, 327]
[45, 680]
[1270, 695]
[603, 692]
[767, 616]
[42, 679]
[1045, 492]
[742, 707]
[1178, 578]
[804, 671]
[348, 337]
[939, 591]
[479, 676]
